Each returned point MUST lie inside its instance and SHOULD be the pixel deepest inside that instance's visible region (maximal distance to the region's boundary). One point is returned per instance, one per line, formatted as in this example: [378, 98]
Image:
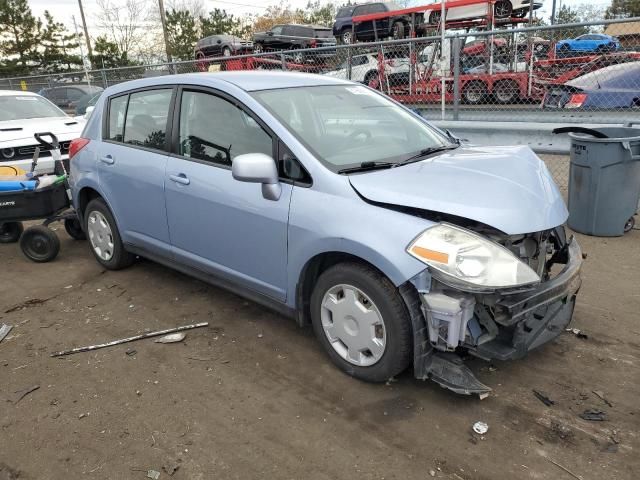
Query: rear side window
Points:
[322, 33]
[117, 110]
[146, 119]
[215, 130]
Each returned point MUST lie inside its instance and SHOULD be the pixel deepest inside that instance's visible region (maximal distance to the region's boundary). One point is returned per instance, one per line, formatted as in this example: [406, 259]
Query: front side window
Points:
[277, 30]
[215, 130]
[344, 125]
[146, 122]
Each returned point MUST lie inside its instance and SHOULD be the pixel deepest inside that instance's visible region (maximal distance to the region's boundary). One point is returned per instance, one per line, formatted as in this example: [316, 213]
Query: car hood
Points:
[508, 188]
[20, 132]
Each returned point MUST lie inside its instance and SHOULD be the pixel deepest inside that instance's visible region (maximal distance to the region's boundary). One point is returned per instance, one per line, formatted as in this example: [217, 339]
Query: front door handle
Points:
[181, 179]
[108, 159]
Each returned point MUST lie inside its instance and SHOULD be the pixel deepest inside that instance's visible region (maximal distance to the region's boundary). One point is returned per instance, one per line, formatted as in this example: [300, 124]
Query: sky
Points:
[63, 10]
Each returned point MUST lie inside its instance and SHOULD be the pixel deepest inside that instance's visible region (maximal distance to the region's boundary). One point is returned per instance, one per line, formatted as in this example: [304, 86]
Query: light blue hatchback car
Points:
[335, 205]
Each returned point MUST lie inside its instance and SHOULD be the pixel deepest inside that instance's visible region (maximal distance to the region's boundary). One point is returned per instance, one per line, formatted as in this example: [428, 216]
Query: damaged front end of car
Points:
[488, 295]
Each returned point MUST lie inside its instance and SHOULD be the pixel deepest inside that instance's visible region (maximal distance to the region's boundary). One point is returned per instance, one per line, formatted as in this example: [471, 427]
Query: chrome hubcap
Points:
[346, 37]
[100, 235]
[353, 325]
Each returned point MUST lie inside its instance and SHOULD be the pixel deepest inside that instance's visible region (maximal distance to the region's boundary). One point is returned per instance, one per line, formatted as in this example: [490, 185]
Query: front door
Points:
[218, 224]
[132, 162]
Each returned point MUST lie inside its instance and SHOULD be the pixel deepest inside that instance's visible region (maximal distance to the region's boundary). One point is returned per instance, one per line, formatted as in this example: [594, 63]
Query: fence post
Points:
[456, 77]
[105, 82]
[349, 57]
[283, 61]
[10, 85]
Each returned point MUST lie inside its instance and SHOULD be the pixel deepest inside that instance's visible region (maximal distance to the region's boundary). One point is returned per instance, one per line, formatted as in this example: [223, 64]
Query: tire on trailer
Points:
[258, 48]
[346, 36]
[10, 232]
[506, 91]
[40, 244]
[372, 79]
[502, 9]
[398, 30]
[226, 52]
[362, 322]
[435, 16]
[474, 92]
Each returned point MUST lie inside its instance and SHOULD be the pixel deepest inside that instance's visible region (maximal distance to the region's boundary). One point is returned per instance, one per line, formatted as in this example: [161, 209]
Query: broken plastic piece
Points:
[480, 428]
[4, 330]
[593, 415]
[172, 338]
[154, 474]
[449, 371]
[543, 398]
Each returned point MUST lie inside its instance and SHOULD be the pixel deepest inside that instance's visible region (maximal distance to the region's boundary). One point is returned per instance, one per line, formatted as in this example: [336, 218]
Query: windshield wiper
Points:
[364, 166]
[424, 152]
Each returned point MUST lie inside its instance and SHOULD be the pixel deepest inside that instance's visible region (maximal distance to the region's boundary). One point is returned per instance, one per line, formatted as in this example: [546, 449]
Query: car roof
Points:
[6, 93]
[246, 80]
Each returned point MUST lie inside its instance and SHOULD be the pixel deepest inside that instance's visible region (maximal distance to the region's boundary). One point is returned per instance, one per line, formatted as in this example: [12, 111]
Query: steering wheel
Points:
[360, 131]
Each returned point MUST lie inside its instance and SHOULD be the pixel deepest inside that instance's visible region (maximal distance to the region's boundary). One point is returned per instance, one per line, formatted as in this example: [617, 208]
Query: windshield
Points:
[20, 107]
[345, 125]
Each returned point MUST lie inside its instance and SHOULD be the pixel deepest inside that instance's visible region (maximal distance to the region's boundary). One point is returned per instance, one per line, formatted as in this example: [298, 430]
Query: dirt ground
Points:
[253, 396]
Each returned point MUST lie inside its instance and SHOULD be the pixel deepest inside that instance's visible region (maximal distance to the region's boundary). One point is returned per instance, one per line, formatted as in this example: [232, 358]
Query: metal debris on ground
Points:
[593, 415]
[154, 474]
[131, 352]
[23, 393]
[578, 333]
[480, 428]
[543, 398]
[600, 395]
[565, 469]
[129, 339]
[172, 338]
[4, 330]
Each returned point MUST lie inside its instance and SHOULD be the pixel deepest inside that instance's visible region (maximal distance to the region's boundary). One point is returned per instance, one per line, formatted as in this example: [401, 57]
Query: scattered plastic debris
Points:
[480, 428]
[593, 415]
[578, 333]
[131, 352]
[154, 474]
[172, 338]
[129, 339]
[171, 467]
[23, 393]
[4, 330]
[600, 395]
[543, 398]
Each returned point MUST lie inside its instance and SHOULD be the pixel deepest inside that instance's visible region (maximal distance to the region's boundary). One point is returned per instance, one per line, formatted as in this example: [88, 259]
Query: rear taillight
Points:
[576, 100]
[76, 145]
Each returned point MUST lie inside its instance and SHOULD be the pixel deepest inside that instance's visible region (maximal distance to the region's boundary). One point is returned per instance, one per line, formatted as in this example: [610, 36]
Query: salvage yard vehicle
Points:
[222, 46]
[295, 38]
[590, 42]
[333, 204]
[22, 114]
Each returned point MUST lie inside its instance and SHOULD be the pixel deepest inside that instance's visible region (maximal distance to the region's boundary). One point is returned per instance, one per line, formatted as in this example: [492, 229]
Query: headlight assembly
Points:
[468, 261]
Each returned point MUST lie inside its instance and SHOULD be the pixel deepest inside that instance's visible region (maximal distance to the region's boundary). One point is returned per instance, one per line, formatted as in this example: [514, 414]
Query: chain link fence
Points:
[575, 73]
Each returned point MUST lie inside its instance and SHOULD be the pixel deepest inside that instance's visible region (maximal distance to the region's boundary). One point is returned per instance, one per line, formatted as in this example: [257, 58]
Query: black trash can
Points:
[604, 180]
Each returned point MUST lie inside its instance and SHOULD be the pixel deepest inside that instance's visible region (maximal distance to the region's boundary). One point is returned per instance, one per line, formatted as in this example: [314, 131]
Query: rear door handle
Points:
[108, 159]
[181, 179]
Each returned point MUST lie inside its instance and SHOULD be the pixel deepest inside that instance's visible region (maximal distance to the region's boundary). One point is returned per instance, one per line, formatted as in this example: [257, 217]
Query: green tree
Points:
[317, 13]
[58, 47]
[219, 22]
[182, 33]
[106, 54]
[623, 9]
[568, 15]
[19, 37]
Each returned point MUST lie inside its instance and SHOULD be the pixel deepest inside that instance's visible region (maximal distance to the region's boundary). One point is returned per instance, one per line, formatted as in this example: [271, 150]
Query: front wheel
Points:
[226, 52]
[474, 92]
[10, 232]
[104, 236]
[502, 9]
[346, 36]
[398, 31]
[258, 48]
[362, 322]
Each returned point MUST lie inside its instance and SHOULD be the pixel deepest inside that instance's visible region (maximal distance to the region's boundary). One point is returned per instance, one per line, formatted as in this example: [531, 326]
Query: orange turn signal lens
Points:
[430, 254]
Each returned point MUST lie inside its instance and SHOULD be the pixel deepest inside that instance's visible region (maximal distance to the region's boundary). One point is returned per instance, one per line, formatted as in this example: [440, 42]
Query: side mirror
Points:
[258, 168]
[270, 33]
[89, 111]
[218, 41]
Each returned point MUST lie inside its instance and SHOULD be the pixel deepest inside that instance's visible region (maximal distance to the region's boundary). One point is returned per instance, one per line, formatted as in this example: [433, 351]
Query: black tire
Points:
[397, 323]
[629, 224]
[370, 77]
[258, 48]
[120, 258]
[298, 57]
[506, 91]
[40, 244]
[434, 17]
[346, 37]
[474, 92]
[74, 229]
[502, 9]
[10, 232]
[226, 52]
[398, 31]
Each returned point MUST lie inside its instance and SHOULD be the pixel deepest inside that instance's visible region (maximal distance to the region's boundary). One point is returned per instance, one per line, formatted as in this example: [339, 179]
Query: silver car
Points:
[333, 204]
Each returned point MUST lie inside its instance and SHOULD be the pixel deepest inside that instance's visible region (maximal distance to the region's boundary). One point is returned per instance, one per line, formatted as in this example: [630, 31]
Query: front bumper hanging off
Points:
[526, 321]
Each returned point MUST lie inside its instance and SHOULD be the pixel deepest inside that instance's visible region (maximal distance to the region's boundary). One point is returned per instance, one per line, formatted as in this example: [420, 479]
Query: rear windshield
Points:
[20, 107]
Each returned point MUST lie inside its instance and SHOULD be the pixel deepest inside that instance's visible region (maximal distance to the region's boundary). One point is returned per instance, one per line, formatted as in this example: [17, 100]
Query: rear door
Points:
[132, 161]
[217, 224]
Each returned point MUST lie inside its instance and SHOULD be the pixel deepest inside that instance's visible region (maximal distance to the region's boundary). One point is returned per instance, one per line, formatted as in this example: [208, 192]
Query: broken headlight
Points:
[468, 261]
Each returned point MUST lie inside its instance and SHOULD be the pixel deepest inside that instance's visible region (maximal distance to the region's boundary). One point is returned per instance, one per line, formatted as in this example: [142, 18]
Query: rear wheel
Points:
[474, 92]
[10, 232]
[506, 91]
[258, 48]
[398, 30]
[226, 52]
[435, 16]
[372, 79]
[502, 9]
[104, 236]
[362, 322]
[346, 36]
[298, 57]
[40, 244]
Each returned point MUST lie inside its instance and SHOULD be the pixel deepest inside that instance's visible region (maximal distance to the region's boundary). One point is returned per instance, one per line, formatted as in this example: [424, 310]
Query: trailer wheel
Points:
[502, 9]
[506, 91]
[372, 80]
[346, 36]
[474, 92]
[258, 48]
[10, 232]
[435, 16]
[398, 30]
[74, 229]
[40, 244]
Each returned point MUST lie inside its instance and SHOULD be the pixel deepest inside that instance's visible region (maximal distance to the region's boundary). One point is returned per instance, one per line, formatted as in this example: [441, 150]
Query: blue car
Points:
[334, 205]
[615, 86]
[590, 42]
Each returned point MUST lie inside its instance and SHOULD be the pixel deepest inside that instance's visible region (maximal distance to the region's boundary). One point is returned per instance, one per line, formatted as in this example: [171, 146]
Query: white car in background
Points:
[502, 9]
[21, 115]
[365, 69]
